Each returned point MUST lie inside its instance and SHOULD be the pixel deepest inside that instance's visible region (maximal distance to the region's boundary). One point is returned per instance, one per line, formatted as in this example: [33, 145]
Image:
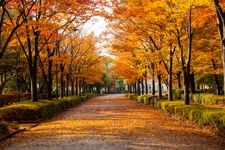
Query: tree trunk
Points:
[33, 79]
[179, 80]
[142, 86]
[170, 86]
[146, 82]
[186, 88]
[153, 79]
[192, 82]
[49, 79]
[72, 87]
[159, 86]
[216, 78]
[33, 69]
[76, 80]
[138, 88]
[67, 85]
[62, 80]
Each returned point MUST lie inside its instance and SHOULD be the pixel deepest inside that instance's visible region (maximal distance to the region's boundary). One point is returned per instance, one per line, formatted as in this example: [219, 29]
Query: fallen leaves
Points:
[114, 122]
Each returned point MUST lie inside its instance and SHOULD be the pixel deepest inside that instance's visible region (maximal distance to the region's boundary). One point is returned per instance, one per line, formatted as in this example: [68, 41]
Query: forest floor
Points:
[113, 122]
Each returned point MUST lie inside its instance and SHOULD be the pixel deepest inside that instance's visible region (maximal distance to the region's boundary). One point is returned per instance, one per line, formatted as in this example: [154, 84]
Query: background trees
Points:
[42, 45]
[170, 38]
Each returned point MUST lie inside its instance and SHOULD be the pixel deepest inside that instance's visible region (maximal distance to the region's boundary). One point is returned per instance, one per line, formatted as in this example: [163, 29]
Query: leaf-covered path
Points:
[115, 123]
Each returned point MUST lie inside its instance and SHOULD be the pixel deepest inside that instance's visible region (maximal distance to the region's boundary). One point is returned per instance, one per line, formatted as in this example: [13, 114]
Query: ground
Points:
[113, 122]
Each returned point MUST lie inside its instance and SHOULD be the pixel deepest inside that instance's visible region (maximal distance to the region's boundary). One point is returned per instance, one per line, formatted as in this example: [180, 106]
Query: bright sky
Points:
[97, 25]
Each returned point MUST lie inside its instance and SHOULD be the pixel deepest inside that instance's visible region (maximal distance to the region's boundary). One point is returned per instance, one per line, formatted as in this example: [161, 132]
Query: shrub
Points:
[140, 98]
[129, 95]
[207, 98]
[150, 100]
[33, 111]
[214, 117]
[147, 99]
[177, 93]
[19, 112]
[4, 127]
[134, 97]
[13, 98]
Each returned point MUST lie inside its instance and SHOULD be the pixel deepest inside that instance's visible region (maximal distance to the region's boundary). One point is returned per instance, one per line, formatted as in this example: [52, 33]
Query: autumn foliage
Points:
[49, 52]
[168, 42]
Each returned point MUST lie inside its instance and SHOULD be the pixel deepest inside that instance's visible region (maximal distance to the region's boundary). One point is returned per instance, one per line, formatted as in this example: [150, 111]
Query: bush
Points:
[140, 98]
[177, 93]
[13, 98]
[33, 111]
[4, 127]
[129, 95]
[150, 100]
[147, 99]
[215, 117]
[207, 98]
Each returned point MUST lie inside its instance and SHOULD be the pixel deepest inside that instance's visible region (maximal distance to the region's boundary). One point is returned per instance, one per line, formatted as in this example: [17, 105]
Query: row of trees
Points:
[169, 40]
[41, 45]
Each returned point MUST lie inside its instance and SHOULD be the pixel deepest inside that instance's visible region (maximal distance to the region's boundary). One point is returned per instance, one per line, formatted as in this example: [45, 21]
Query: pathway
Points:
[113, 123]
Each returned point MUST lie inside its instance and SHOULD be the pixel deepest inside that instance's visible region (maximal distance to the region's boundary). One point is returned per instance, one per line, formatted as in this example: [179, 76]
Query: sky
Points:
[97, 25]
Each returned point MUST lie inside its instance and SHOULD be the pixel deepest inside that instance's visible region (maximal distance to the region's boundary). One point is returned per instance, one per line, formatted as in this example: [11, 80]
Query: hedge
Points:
[207, 98]
[33, 111]
[177, 93]
[7, 99]
[140, 98]
[215, 117]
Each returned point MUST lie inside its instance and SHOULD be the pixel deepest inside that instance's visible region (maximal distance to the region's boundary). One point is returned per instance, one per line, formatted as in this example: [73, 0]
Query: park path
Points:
[113, 122]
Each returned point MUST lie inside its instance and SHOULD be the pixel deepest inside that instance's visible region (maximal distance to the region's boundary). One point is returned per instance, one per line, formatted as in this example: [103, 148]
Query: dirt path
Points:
[113, 123]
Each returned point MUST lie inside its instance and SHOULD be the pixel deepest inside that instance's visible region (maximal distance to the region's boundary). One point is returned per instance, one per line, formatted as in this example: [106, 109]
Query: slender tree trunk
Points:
[192, 82]
[146, 82]
[33, 69]
[67, 85]
[33, 79]
[179, 80]
[159, 86]
[72, 87]
[62, 80]
[138, 88]
[170, 86]
[142, 86]
[153, 79]
[216, 78]
[76, 80]
[49, 80]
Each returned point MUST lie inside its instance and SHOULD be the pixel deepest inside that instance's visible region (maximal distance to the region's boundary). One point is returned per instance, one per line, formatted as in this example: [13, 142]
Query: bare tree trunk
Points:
[153, 78]
[146, 82]
[170, 87]
[192, 83]
[62, 80]
[159, 86]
